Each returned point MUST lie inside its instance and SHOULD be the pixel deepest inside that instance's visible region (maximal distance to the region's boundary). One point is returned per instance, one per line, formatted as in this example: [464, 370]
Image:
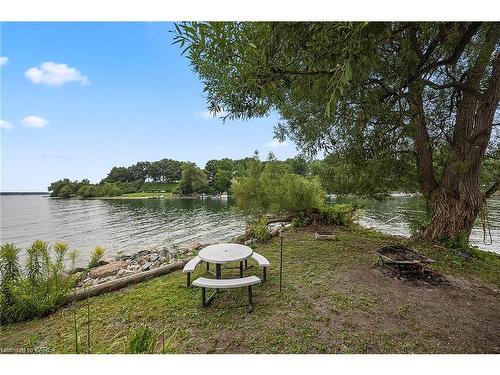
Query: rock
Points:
[143, 252]
[77, 270]
[107, 269]
[275, 232]
[103, 262]
[195, 246]
[142, 260]
[325, 236]
[153, 257]
[146, 266]
[133, 267]
[164, 253]
[273, 226]
[250, 241]
[155, 264]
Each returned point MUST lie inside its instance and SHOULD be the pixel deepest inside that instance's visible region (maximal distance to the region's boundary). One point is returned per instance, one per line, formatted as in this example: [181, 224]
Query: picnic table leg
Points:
[241, 269]
[203, 297]
[250, 300]
[208, 266]
[218, 273]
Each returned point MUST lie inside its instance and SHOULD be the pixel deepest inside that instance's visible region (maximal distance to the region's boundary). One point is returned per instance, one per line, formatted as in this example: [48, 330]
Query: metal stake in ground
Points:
[281, 259]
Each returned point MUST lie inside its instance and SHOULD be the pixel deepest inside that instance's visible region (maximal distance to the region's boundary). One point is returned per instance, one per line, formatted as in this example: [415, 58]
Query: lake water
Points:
[128, 226]
[393, 214]
[124, 226]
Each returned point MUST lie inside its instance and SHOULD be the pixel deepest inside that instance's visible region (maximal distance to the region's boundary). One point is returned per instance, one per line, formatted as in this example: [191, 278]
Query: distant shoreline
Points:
[24, 193]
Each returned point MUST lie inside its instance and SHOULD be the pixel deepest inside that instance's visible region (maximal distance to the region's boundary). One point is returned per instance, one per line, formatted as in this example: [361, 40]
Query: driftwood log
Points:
[124, 281]
[278, 219]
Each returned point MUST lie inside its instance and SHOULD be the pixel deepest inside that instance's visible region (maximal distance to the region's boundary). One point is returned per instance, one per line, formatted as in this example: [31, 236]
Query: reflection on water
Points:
[125, 226]
[392, 216]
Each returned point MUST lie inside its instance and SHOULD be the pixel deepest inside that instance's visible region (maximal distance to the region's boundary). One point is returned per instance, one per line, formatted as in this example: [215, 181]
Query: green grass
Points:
[161, 186]
[145, 195]
[335, 300]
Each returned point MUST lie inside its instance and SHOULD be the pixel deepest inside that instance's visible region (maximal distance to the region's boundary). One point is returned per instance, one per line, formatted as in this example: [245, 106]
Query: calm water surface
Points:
[128, 226]
[393, 214]
[124, 226]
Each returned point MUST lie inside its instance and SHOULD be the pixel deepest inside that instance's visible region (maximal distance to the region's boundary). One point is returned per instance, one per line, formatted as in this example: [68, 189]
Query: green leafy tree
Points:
[272, 188]
[367, 91]
[109, 190]
[65, 192]
[193, 179]
[299, 165]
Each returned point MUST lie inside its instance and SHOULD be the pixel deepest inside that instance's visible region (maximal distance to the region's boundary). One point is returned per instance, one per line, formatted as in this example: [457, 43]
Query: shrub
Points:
[37, 291]
[300, 221]
[88, 191]
[258, 229]
[274, 189]
[338, 214]
[141, 340]
[95, 257]
[9, 262]
[109, 190]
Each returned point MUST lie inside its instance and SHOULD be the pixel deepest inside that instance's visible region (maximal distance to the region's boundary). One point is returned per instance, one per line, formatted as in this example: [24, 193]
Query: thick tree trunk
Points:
[453, 213]
[455, 200]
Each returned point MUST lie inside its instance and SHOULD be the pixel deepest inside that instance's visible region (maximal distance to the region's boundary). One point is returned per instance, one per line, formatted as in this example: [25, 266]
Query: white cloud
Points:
[5, 124]
[275, 144]
[34, 122]
[53, 74]
[3, 60]
[208, 115]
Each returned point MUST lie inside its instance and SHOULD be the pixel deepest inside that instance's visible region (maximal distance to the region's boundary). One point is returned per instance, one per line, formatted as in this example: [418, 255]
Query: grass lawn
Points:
[146, 195]
[335, 300]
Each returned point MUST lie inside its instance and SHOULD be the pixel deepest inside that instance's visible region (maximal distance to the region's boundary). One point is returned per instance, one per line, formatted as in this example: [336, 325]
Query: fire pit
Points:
[403, 259]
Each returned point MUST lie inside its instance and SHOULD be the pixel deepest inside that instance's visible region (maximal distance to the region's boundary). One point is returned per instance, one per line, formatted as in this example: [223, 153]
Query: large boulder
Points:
[108, 269]
[195, 246]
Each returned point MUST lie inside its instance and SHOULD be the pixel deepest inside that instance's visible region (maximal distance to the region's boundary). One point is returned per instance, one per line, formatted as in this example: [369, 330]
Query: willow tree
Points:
[385, 90]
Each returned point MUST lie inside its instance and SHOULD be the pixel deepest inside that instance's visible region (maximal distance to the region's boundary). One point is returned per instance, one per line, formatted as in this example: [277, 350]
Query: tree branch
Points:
[458, 85]
[492, 189]
[459, 48]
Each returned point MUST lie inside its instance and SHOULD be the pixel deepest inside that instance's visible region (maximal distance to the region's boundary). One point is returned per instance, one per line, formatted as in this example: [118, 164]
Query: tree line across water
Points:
[336, 174]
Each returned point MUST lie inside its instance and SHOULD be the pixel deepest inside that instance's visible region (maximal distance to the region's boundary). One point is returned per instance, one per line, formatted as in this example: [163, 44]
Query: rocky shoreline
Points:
[145, 260]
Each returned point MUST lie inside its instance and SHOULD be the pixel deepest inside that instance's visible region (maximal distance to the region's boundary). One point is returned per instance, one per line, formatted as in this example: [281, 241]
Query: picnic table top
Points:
[225, 253]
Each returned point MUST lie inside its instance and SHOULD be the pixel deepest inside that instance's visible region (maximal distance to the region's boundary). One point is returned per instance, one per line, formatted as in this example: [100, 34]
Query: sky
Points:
[77, 99]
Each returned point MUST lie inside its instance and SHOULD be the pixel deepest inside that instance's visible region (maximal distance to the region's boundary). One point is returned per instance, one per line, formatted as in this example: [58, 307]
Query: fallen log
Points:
[278, 219]
[116, 284]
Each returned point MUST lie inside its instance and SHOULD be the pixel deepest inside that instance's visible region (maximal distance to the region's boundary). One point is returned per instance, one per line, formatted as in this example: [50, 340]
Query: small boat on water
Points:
[223, 195]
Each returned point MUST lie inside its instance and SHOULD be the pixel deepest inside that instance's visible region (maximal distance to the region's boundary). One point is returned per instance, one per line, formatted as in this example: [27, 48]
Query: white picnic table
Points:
[225, 253]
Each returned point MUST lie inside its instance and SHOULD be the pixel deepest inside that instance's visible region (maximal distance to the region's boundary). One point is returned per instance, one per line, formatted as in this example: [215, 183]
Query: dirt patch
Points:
[427, 276]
